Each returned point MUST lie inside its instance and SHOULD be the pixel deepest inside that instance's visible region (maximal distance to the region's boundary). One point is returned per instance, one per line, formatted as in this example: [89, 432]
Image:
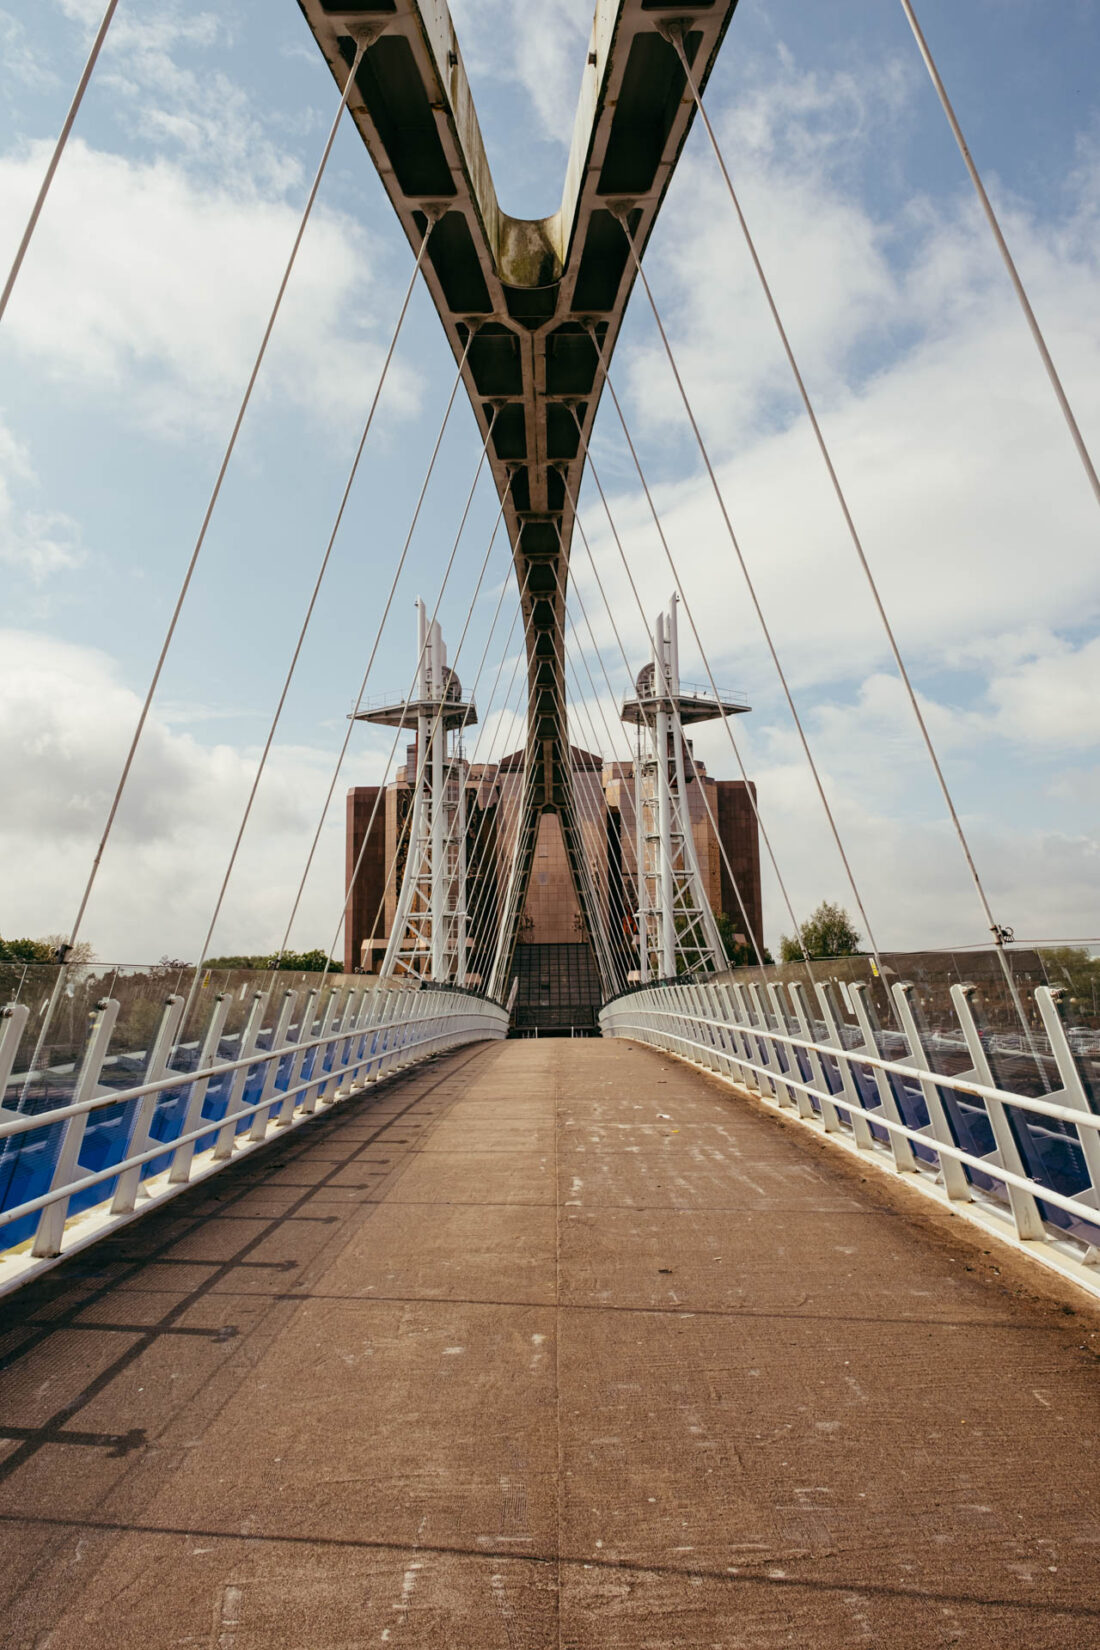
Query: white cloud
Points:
[153, 291]
[32, 541]
[65, 724]
[538, 45]
[1052, 700]
[24, 61]
[976, 518]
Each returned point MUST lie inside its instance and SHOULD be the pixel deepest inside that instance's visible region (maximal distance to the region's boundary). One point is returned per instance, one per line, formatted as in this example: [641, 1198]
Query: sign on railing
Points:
[70, 1173]
[925, 1097]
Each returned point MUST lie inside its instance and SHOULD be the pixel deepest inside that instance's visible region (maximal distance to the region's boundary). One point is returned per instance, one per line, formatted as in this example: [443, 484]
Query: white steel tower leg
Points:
[439, 804]
[428, 939]
[640, 850]
[664, 810]
[460, 890]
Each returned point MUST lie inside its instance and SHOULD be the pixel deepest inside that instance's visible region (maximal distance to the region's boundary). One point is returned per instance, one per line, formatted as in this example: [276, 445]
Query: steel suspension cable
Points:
[377, 640]
[678, 728]
[507, 813]
[312, 603]
[674, 33]
[435, 723]
[191, 565]
[853, 531]
[1003, 248]
[729, 731]
[55, 158]
[597, 799]
[420, 657]
[753, 596]
[462, 728]
[750, 932]
[584, 870]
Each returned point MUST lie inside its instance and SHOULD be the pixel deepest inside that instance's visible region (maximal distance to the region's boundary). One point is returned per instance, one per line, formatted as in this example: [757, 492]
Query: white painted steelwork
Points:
[532, 307]
[676, 926]
[840, 1085]
[342, 1042]
[428, 939]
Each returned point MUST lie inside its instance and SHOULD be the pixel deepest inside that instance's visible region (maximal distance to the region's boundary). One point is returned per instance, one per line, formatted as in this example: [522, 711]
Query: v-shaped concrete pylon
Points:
[535, 293]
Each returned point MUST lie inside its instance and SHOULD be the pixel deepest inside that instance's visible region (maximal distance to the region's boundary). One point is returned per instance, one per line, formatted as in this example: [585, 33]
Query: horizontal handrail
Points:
[881, 1119]
[376, 1033]
[965, 1085]
[900, 1108]
[208, 1127]
[27, 1121]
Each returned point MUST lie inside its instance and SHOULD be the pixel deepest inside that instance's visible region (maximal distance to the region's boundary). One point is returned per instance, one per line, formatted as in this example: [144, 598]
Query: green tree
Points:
[827, 932]
[299, 962]
[44, 950]
[1078, 973]
[739, 950]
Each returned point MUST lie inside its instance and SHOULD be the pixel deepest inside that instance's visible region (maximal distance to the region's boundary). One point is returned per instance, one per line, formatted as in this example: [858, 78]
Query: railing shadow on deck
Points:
[142, 1108]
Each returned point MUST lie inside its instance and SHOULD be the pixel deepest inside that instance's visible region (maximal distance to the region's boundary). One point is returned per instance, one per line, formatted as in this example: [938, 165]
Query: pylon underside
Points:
[541, 297]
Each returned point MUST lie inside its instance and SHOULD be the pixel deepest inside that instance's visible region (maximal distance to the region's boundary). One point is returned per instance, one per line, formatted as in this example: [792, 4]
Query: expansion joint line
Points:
[55, 158]
[751, 588]
[1002, 247]
[674, 32]
[691, 620]
[378, 638]
[223, 468]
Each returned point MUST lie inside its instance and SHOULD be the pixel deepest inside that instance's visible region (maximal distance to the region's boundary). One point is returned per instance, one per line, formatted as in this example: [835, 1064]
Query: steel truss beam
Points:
[533, 292]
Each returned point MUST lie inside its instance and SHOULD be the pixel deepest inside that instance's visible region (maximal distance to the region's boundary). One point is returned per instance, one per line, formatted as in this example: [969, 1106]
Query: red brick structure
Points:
[605, 806]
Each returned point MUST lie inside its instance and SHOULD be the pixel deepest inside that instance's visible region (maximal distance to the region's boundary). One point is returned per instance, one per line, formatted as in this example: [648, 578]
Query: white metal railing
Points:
[73, 1172]
[1037, 1158]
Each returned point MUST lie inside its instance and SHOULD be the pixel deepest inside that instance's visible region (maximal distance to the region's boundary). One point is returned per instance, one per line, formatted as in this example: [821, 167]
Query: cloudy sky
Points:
[127, 343]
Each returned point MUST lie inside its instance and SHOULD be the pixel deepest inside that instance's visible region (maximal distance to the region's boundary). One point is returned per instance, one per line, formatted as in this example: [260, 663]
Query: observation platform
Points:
[691, 704]
[406, 713]
[544, 1344]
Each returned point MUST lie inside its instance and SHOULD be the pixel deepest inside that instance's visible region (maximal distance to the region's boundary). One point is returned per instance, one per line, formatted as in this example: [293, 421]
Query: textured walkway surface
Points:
[549, 1346]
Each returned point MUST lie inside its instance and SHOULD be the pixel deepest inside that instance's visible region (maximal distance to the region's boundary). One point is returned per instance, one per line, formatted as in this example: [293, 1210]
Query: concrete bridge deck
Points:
[554, 1344]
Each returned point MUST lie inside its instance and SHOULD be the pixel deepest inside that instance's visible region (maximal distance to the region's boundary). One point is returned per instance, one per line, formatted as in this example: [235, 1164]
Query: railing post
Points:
[262, 1119]
[294, 1076]
[783, 1051]
[338, 1047]
[318, 1076]
[830, 1117]
[180, 1171]
[1025, 1212]
[51, 1223]
[955, 1183]
[129, 1181]
[768, 1054]
[802, 1103]
[714, 1033]
[13, 1019]
[861, 1131]
[900, 1146]
[1072, 1092]
[745, 1041]
[227, 1134]
[730, 1016]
